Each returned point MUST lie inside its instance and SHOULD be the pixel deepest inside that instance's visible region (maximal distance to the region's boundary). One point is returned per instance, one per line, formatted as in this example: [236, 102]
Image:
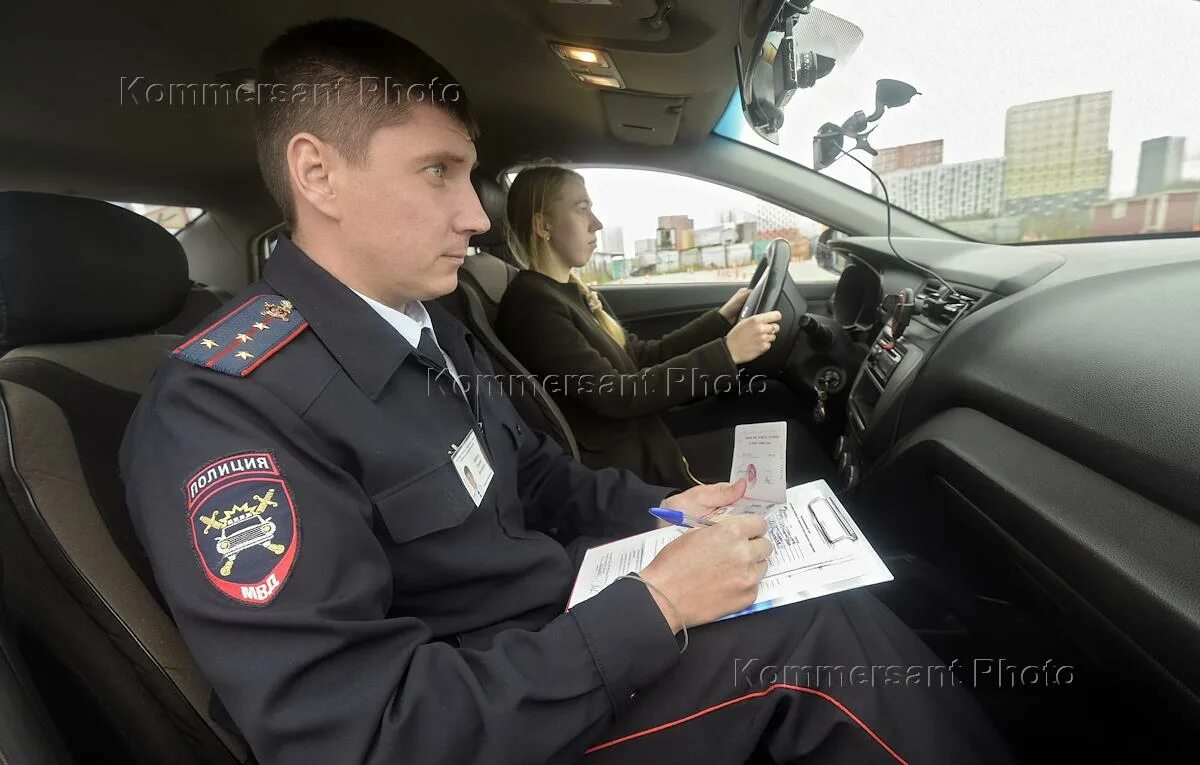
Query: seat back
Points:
[481, 284]
[489, 276]
[27, 733]
[529, 397]
[201, 301]
[494, 199]
[78, 586]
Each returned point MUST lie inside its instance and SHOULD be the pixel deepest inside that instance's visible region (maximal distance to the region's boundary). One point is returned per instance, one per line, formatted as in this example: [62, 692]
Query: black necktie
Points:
[429, 350]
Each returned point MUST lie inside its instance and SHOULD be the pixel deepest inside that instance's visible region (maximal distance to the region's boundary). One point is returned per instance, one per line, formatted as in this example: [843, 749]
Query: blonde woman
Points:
[611, 385]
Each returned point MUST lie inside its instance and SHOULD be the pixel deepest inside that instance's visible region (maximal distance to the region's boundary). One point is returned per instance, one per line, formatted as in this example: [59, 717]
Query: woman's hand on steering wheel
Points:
[752, 337]
[733, 306]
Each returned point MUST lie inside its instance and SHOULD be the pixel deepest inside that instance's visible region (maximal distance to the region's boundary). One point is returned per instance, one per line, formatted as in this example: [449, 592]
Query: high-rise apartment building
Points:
[908, 156]
[1160, 164]
[946, 192]
[1056, 154]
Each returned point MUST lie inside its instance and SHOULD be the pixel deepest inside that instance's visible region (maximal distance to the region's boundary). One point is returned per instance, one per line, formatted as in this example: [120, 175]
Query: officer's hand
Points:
[706, 499]
[710, 572]
[752, 336]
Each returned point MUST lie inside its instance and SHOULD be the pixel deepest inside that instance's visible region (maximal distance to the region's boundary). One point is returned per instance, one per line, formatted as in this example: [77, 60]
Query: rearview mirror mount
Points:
[798, 46]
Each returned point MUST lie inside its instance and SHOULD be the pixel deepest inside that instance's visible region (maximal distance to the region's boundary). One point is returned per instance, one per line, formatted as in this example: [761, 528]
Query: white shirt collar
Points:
[408, 322]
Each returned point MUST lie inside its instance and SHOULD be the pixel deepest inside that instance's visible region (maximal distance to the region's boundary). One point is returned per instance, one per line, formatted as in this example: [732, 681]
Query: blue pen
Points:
[678, 518]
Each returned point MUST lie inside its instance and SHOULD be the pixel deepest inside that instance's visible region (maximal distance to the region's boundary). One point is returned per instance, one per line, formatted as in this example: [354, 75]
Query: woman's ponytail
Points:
[607, 322]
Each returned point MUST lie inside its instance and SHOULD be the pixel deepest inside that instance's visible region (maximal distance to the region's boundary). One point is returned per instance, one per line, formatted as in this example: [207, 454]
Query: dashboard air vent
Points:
[939, 306]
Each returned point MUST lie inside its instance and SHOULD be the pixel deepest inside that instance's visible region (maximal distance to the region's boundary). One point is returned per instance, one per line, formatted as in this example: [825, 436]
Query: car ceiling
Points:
[66, 130]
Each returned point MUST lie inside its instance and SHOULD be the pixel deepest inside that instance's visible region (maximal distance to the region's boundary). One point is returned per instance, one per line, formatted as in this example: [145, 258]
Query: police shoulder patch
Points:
[243, 525]
[245, 337]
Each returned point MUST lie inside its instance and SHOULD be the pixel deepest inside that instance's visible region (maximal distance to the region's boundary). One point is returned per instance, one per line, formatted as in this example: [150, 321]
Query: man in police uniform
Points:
[297, 476]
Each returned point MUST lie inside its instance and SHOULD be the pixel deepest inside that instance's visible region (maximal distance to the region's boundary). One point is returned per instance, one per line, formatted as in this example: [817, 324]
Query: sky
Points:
[972, 59]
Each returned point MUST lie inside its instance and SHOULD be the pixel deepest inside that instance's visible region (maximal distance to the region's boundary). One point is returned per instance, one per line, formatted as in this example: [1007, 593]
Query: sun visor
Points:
[646, 120]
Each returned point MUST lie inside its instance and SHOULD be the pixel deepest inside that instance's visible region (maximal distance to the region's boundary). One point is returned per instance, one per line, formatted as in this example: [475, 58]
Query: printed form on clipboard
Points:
[819, 550]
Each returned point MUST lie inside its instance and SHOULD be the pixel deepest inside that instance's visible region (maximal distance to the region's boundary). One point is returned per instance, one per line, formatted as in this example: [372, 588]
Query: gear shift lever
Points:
[820, 337]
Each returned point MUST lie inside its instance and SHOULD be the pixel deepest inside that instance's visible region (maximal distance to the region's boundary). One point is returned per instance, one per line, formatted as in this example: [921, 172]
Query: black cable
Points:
[937, 341]
[888, 204]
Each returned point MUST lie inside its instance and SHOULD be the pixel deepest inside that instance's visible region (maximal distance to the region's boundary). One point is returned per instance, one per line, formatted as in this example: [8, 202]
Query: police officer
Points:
[298, 476]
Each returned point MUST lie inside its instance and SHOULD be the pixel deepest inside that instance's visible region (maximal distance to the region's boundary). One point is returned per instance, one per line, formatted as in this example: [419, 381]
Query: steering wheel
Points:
[773, 289]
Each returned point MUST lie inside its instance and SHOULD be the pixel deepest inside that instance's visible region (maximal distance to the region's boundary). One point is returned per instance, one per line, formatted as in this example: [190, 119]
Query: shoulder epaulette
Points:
[245, 337]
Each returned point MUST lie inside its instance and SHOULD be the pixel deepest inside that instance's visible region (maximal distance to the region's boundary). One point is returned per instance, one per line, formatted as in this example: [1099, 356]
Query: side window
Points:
[662, 228]
[173, 219]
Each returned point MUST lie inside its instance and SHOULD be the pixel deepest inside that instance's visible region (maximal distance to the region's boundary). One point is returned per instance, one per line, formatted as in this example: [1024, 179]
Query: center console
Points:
[874, 396]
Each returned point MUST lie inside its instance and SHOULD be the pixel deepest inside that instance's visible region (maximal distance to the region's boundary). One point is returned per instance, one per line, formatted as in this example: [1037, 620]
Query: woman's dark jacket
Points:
[613, 397]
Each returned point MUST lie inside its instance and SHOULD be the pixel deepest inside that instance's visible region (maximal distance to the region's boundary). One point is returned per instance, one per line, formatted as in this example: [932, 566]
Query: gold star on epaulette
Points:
[260, 325]
[244, 355]
[244, 338]
[208, 343]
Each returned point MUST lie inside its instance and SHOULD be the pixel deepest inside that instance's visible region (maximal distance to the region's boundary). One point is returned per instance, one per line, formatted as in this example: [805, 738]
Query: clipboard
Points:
[831, 520]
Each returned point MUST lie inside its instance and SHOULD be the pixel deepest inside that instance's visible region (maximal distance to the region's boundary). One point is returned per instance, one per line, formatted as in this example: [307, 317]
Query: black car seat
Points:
[201, 300]
[80, 280]
[494, 266]
[27, 734]
[481, 284]
[494, 199]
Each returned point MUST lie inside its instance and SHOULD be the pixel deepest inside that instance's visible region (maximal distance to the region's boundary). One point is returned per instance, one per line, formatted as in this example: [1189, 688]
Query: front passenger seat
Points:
[27, 734]
[482, 281]
[79, 281]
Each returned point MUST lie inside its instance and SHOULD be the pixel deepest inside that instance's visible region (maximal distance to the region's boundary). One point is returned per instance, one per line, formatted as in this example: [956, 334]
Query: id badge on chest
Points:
[473, 468]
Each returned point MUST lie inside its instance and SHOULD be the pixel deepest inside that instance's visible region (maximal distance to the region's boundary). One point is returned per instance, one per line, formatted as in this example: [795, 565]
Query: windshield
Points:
[1035, 120]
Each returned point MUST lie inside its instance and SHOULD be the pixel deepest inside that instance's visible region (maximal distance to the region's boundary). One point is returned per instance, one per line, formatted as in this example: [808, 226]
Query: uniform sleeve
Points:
[559, 493]
[571, 367]
[312, 665]
[705, 328]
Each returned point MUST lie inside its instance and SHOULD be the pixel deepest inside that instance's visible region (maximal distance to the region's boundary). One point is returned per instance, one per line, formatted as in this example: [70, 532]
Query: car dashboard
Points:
[878, 291]
[1044, 431]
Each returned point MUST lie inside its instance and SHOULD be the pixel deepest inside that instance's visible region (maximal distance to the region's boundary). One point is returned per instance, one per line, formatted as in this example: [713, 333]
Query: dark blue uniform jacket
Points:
[289, 474]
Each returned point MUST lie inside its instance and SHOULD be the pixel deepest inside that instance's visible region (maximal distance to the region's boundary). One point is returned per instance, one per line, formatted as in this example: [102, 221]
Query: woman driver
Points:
[612, 386]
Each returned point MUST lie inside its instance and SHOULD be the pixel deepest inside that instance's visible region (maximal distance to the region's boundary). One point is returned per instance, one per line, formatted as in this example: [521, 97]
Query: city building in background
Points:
[771, 217]
[1160, 164]
[908, 156]
[946, 192]
[1056, 155]
[1006, 228]
[1150, 214]
[674, 232]
[609, 260]
[611, 240]
[677, 246]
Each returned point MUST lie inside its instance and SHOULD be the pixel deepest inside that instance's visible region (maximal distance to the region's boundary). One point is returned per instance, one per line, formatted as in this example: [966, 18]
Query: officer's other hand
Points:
[710, 572]
[752, 336]
[700, 501]
[733, 306]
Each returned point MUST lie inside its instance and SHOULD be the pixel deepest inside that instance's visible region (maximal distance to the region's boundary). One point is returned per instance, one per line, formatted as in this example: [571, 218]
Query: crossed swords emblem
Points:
[235, 516]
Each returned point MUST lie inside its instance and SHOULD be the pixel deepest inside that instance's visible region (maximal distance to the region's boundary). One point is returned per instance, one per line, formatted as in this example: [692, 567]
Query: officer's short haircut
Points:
[342, 80]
